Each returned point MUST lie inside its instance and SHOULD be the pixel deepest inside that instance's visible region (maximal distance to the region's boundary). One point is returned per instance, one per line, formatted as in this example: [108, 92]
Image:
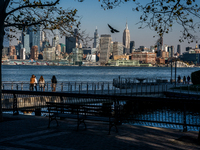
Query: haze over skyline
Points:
[92, 16]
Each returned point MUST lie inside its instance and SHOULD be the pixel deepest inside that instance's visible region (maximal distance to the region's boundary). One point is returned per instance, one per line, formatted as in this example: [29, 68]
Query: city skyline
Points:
[117, 18]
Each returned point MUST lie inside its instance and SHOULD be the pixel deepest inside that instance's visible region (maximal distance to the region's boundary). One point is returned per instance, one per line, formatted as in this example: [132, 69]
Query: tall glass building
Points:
[25, 42]
[96, 39]
[34, 37]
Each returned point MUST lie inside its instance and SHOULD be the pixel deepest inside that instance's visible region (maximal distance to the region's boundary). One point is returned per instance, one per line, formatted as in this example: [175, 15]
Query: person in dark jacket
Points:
[53, 83]
[184, 80]
[188, 79]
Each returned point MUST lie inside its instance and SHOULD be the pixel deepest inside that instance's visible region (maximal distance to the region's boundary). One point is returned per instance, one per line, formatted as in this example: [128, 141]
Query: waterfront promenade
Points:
[31, 132]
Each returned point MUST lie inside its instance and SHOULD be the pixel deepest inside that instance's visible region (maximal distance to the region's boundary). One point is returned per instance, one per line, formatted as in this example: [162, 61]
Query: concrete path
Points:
[30, 132]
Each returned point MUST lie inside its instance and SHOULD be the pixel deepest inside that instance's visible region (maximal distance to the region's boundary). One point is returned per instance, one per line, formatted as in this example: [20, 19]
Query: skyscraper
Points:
[105, 44]
[43, 36]
[126, 40]
[55, 41]
[171, 51]
[25, 42]
[34, 36]
[132, 46]
[117, 48]
[96, 39]
[6, 38]
[179, 49]
[70, 43]
[160, 44]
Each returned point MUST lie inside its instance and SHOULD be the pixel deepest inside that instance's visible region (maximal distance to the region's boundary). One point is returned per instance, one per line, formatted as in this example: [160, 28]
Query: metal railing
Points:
[154, 111]
[93, 88]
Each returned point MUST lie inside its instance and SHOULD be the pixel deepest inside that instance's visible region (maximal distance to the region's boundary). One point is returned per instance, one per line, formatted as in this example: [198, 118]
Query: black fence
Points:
[175, 113]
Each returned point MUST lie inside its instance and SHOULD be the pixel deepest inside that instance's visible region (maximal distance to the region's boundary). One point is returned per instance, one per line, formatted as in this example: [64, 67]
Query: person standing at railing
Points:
[32, 81]
[35, 84]
[188, 79]
[53, 82]
[179, 79]
[42, 83]
[184, 80]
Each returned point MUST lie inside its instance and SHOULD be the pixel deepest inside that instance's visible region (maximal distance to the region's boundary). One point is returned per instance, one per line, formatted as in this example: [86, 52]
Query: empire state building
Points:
[126, 40]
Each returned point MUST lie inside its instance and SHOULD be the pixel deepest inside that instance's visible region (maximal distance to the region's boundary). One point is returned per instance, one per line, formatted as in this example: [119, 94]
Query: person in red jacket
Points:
[32, 81]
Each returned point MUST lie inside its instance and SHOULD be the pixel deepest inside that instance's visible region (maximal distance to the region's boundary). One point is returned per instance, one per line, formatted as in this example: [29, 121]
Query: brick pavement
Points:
[31, 132]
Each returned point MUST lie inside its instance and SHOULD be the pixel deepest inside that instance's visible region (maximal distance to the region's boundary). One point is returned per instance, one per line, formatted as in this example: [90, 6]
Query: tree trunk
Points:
[2, 33]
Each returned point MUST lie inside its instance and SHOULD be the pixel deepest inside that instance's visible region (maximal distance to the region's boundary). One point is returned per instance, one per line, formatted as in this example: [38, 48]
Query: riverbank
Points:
[31, 132]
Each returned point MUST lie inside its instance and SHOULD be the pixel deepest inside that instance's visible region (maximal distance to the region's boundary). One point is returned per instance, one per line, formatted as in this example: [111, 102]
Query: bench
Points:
[82, 112]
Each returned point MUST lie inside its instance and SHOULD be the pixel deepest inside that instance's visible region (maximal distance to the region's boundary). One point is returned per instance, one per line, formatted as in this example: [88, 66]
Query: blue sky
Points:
[93, 15]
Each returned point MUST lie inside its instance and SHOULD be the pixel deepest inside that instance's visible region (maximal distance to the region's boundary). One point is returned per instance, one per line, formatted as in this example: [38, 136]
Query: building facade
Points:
[25, 42]
[77, 56]
[23, 53]
[179, 49]
[70, 43]
[55, 41]
[96, 39]
[132, 46]
[49, 53]
[34, 52]
[126, 40]
[144, 57]
[105, 45]
[34, 36]
[117, 48]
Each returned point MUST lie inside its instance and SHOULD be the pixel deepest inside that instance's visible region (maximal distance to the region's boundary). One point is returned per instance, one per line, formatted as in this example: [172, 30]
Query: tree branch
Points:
[28, 6]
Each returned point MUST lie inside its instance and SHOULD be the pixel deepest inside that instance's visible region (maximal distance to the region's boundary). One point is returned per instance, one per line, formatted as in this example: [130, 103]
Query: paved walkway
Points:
[31, 132]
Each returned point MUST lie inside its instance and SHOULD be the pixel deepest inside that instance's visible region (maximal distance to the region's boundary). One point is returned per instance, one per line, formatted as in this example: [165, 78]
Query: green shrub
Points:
[195, 77]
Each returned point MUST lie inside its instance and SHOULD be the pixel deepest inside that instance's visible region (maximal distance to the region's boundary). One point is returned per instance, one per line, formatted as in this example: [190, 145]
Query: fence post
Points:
[87, 87]
[146, 88]
[102, 89]
[150, 88]
[15, 109]
[75, 86]
[136, 89]
[95, 89]
[62, 86]
[108, 87]
[17, 86]
[126, 89]
[131, 89]
[184, 119]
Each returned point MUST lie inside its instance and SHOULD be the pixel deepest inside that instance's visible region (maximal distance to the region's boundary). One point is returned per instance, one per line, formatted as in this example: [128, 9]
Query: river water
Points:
[84, 73]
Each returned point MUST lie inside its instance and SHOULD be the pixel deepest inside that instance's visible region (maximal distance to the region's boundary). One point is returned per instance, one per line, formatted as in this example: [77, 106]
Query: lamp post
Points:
[175, 70]
[171, 71]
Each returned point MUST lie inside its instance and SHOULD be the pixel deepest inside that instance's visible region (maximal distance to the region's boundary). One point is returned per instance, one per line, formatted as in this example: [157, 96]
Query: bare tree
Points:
[20, 14]
[161, 15]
